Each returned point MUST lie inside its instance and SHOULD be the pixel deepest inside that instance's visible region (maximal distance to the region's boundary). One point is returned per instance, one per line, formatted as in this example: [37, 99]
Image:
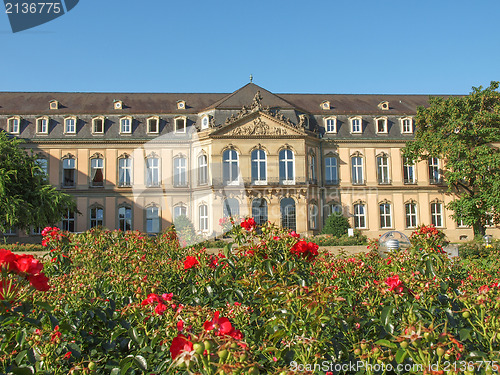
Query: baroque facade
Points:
[137, 161]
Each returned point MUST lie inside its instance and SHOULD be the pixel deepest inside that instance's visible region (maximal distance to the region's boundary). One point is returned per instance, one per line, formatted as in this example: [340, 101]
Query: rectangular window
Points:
[180, 172]
[434, 171]
[36, 231]
[153, 172]
[356, 125]
[357, 170]
[152, 220]
[125, 218]
[96, 217]
[411, 215]
[153, 126]
[202, 170]
[313, 216]
[125, 172]
[331, 171]
[97, 172]
[126, 125]
[437, 214]
[180, 125]
[385, 216]
[359, 216]
[331, 125]
[69, 172]
[381, 125]
[409, 171]
[70, 126]
[203, 213]
[42, 126]
[407, 126]
[68, 221]
[43, 164]
[14, 125]
[312, 168]
[383, 170]
[98, 126]
[10, 231]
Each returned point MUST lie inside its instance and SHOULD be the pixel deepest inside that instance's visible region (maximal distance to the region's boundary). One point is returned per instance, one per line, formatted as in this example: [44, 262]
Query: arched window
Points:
[259, 167]
[385, 215]
[287, 208]
[152, 219]
[152, 171]
[125, 171]
[42, 125]
[359, 216]
[180, 210]
[287, 167]
[383, 169]
[126, 125]
[14, 125]
[231, 207]
[332, 208]
[98, 125]
[357, 170]
[202, 169]
[124, 218]
[180, 178]
[97, 172]
[96, 216]
[259, 210]
[331, 171]
[230, 169]
[69, 172]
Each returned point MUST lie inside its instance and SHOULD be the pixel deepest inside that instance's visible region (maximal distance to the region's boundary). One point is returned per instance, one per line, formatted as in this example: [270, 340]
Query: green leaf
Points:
[141, 362]
[134, 335]
[400, 355]
[386, 315]
[269, 267]
[386, 343]
[465, 334]
[210, 291]
[20, 338]
[115, 371]
[23, 371]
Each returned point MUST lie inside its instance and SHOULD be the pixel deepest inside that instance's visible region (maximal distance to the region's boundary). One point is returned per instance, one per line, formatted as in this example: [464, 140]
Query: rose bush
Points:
[126, 303]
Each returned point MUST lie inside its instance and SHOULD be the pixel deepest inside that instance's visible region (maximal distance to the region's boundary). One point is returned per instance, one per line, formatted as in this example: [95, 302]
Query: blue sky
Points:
[382, 46]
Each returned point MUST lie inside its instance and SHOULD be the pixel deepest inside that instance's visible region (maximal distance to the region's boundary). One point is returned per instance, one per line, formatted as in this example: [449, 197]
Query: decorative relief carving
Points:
[258, 127]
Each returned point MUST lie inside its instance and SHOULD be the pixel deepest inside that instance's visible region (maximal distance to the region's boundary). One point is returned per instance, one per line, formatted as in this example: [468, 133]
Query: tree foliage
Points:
[26, 197]
[464, 131]
[336, 224]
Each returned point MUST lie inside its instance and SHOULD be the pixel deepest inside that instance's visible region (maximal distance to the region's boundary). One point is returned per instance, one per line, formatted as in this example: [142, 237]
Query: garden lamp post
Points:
[487, 240]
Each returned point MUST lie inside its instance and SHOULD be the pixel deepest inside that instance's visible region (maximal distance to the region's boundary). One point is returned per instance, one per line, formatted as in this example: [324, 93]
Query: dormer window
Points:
[331, 124]
[180, 125]
[70, 125]
[181, 104]
[53, 104]
[407, 125]
[98, 125]
[384, 106]
[381, 124]
[356, 125]
[205, 122]
[325, 105]
[153, 125]
[14, 125]
[126, 125]
[42, 125]
[117, 104]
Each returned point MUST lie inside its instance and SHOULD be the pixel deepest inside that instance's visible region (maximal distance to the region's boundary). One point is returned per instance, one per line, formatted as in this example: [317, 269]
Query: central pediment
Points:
[259, 124]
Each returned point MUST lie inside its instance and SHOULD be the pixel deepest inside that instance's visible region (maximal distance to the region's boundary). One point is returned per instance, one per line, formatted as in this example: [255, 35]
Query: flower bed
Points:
[125, 303]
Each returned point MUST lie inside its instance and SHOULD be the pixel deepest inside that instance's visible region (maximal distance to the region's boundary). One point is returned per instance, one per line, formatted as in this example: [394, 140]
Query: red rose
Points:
[39, 282]
[150, 299]
[180, 344]
[29, 265]
[394, 284]
[222, 326]
[160, 308]
[67, 355]
[190, 262]
[8, 260]
[249, 224]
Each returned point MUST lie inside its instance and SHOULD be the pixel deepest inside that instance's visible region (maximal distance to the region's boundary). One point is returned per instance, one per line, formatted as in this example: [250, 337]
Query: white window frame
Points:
[100, 165]
[70, 125]
[14, 125]
[176, 121]
[230, 179]
[94, 220]
[331, 125]
[258, 180]
[100, 118]
[286, 180]
[180, 171]
[125, 168]
[179, 210]
[383, 171]
[125, 219]
[385, 213]
[312, 167]
[153, 217]
[355, 180]
[205, 122]
[148, 124]
[411, 215]
[434, 164]
[437, 216]
[329, 167]
[42, 125]
[359, 210]
[202, 169]
[69, 219]
[74, 169]
[126, 129]
[153, 171]
[406, 168]
[313, 216]
[383, 120]
[352, 121]
[404, 122]
[203, 217]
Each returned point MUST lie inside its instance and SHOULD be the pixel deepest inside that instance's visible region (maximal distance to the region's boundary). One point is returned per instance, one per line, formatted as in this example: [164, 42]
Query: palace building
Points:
[135, 161]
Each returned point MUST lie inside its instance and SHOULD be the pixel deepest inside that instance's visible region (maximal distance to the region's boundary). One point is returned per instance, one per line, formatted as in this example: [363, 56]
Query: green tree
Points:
[336, 224]
[464, 131]
[26, 197]
[185, 230]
